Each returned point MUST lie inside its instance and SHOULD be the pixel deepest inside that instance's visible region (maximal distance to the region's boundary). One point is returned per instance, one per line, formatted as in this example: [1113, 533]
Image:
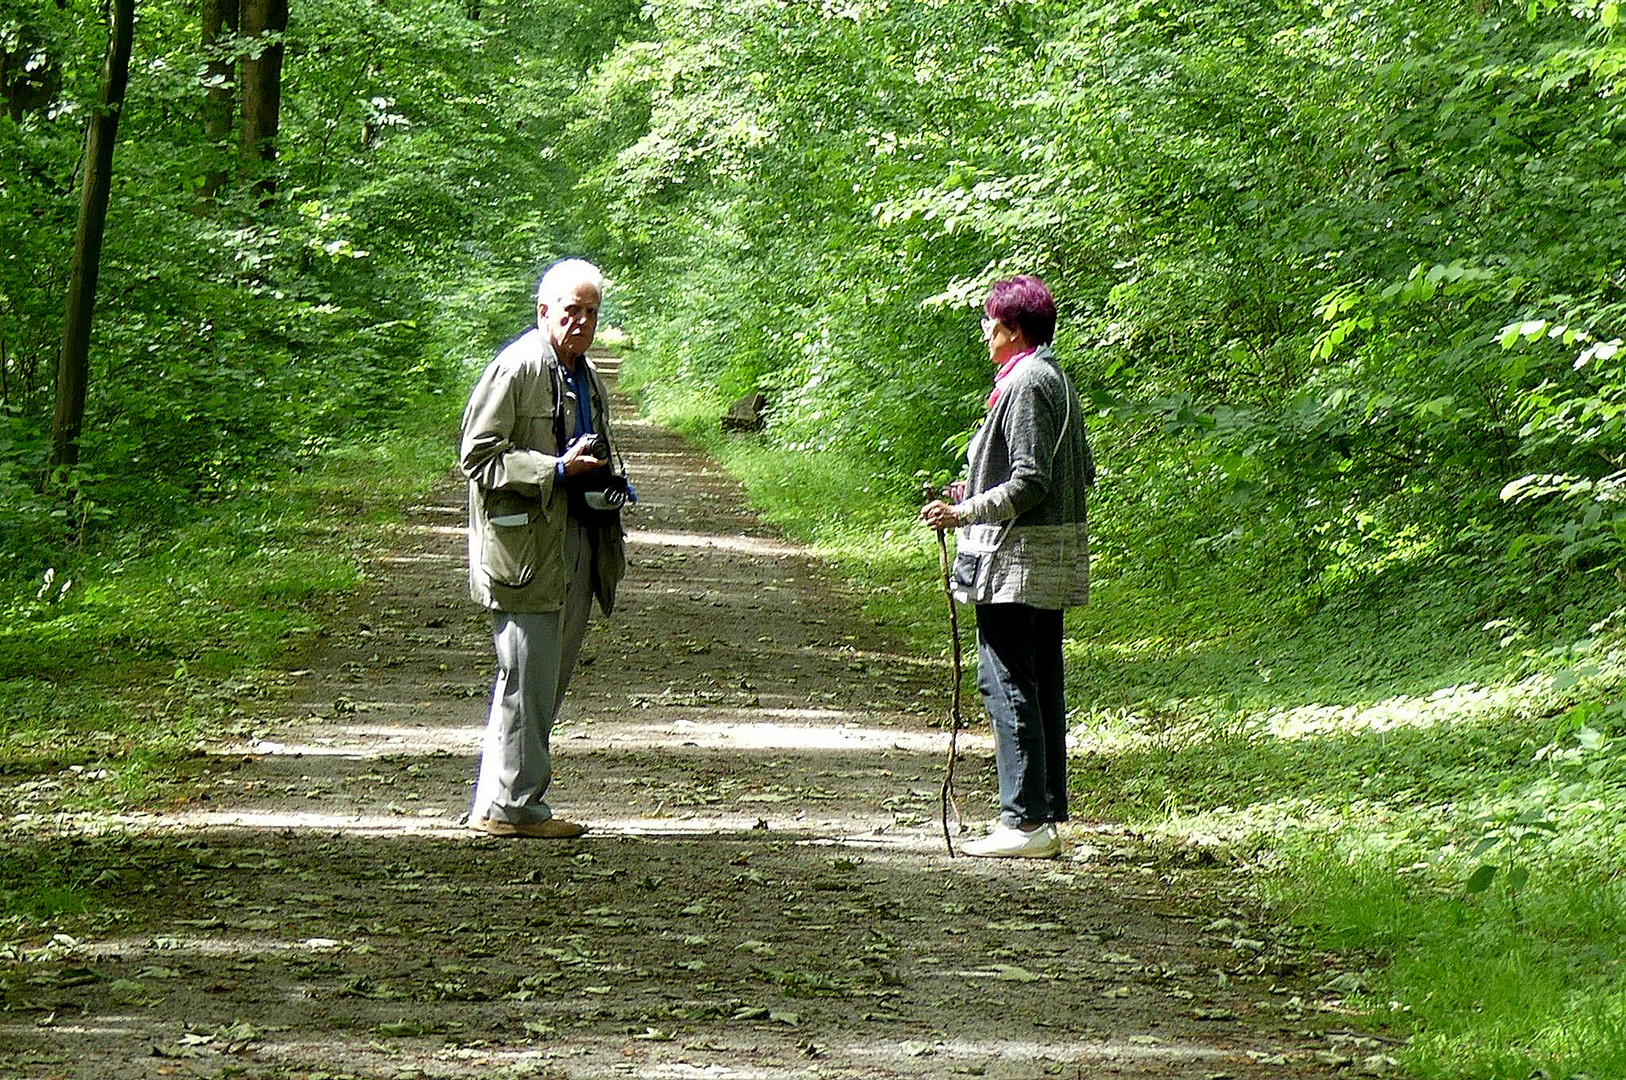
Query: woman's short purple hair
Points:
[1024, 303]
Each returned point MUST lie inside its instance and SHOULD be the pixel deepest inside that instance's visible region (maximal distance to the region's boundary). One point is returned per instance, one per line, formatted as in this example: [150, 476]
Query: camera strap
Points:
[556, 381]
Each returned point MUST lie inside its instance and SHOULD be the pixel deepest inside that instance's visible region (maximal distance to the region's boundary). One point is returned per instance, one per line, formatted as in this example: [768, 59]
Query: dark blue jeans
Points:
[1019, 672]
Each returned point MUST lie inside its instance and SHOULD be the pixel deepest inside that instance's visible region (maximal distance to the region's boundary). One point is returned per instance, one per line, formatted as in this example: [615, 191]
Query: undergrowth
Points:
[1419, 784]
[114, 667]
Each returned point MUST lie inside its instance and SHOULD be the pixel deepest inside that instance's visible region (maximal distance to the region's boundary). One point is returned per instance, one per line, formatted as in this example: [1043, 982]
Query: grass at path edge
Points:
[164, 639]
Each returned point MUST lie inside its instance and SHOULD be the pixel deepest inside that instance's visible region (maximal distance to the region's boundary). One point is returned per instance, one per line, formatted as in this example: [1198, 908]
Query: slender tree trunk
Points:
[73, 361]
[369, 129]
[219, 20]
[261, 84]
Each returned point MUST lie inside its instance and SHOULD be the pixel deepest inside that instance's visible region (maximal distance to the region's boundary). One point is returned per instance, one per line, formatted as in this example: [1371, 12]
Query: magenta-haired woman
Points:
[1022, 556]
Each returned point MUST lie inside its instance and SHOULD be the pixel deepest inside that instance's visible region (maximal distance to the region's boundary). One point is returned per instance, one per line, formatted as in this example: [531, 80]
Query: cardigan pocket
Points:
[972, 578]
[968, 583]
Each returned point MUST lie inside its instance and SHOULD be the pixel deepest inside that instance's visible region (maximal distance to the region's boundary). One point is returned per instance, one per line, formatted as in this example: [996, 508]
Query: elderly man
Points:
[536, 558]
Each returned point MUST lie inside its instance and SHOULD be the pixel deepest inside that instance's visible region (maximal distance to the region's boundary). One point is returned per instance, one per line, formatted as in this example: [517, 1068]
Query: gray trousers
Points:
[536, 655]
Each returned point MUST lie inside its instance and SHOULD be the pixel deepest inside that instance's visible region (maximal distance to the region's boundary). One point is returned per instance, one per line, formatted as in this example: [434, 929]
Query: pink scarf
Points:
[1004, 370]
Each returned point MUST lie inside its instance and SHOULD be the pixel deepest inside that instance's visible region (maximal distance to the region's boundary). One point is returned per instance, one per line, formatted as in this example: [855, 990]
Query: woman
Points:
[1023, 556]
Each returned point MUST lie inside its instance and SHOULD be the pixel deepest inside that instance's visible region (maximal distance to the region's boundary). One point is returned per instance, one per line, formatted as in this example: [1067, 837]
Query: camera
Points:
[599, 447]
[615, 494]
[600, 494]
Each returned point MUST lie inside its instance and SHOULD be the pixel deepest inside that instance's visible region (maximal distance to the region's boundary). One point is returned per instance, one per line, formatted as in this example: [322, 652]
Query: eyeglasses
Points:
[988, 324]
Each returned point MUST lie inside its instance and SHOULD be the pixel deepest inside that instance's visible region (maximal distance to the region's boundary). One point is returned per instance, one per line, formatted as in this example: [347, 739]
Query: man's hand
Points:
[578, 458]
[939, 515]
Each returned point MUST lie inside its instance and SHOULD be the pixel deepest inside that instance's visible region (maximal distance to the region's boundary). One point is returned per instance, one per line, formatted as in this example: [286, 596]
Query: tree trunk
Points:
[219, 19]
[73, 361]
[261, 85]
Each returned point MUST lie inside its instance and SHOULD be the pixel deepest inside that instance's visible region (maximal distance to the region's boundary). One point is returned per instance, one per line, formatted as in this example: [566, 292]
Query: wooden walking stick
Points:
[955, 722]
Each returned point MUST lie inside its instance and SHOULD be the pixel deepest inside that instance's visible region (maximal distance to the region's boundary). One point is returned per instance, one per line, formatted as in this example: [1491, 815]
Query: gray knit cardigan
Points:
[1025, 539]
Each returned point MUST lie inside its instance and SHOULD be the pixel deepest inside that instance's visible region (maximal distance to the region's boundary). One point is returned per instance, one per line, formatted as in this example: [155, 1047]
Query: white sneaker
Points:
[1008, 843]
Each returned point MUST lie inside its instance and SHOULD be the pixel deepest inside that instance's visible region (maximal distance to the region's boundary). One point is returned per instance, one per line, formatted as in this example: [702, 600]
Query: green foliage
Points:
[1285, 242]
[239, 337]
[1341, 283]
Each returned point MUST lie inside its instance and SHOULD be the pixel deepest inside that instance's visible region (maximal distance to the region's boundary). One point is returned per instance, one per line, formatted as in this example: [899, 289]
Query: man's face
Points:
[570, 320]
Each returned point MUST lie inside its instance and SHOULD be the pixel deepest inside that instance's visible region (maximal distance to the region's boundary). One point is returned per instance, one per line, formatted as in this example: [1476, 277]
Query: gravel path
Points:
[764, 890]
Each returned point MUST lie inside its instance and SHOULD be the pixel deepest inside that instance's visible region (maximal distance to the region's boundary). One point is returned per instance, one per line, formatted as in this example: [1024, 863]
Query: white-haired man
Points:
[536, 560]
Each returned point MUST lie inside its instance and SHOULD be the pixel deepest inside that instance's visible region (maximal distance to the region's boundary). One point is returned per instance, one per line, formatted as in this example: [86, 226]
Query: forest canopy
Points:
[1342, 280]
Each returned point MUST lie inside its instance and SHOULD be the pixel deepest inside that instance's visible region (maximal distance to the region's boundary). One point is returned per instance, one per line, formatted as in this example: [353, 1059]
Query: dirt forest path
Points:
[763, 893]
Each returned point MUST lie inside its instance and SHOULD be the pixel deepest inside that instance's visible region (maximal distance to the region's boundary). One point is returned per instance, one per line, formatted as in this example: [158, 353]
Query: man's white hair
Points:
[564, 274]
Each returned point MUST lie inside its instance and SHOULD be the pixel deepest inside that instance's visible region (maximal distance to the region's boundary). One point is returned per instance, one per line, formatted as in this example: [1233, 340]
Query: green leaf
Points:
[1480, 879]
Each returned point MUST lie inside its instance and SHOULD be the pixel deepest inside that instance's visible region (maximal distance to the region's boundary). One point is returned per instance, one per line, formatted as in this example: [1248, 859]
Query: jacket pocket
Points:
[508, 547]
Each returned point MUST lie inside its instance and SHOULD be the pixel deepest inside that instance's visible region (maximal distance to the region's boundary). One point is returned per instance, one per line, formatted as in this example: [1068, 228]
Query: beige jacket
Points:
[516, 514]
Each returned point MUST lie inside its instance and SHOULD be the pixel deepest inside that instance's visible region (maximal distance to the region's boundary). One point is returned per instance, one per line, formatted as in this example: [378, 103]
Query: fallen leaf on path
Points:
[77, 976]
[130, 991]
[175, 1051]
[1012, 973]
[156, 971]
[401, 1029]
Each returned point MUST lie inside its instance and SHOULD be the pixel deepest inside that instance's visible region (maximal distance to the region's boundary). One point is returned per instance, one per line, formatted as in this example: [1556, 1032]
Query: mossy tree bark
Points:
[263, 22]
[219, 21]
[73, 360]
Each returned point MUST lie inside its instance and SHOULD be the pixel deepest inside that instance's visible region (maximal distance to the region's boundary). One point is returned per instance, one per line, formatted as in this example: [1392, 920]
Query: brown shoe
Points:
[551, 829]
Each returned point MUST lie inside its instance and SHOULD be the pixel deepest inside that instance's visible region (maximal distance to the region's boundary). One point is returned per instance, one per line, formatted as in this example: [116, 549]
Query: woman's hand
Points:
[939, 515]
